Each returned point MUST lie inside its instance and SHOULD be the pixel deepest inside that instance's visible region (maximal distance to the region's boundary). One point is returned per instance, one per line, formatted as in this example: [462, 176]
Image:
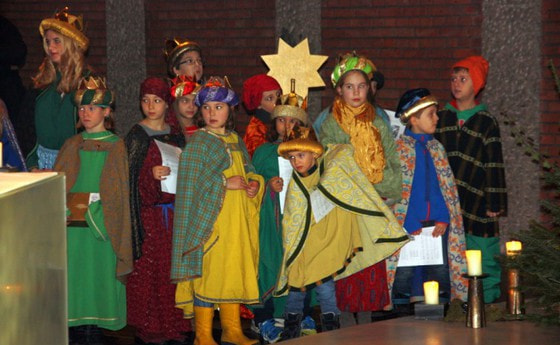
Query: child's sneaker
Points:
[308, 326]
[271, 330]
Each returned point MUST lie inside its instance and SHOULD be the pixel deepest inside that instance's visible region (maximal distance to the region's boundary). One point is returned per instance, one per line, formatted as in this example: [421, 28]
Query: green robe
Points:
[265, 161]
[95, 296]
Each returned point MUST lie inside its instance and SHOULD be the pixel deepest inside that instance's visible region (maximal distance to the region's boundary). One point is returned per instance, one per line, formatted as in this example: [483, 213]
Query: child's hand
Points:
[253, 189]
[160, 171]
[439, 229]
[493, 214]
[276, 184]
[236, 182]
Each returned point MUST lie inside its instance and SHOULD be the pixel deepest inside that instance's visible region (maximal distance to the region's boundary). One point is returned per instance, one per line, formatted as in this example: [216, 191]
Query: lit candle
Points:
[431, 292]
[474, 262]
[513, 247]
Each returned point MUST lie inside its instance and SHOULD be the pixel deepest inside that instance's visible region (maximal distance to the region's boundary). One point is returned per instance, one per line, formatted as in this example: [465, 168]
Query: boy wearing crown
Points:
[335, 224]
[99, 232]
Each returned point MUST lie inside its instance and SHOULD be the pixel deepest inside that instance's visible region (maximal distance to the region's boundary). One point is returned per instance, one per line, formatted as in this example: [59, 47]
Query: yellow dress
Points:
[328, 245]
[230, 260]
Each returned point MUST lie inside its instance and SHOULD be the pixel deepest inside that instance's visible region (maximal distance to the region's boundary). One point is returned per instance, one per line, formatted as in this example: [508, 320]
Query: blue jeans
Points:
[326, 295]
[408, 285]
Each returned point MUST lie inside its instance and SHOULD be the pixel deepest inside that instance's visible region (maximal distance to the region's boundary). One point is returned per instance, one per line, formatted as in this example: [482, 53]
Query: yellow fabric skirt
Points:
[230, 260]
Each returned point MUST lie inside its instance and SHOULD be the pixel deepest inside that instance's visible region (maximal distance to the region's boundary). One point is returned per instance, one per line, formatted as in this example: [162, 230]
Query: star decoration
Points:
[295, 63]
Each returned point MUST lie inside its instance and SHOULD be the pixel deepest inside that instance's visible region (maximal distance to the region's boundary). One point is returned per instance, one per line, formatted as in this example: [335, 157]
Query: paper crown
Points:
[183, 85]
[352, 61]
[291, 105]
[173, 50]
[301, 139]
[93, 90]
[68, 25]
[215, 90]
[413, 101]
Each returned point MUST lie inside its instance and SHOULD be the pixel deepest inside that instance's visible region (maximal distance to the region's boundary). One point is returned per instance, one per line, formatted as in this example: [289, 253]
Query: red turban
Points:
[254, 87]
[155, 86]
[478, 70]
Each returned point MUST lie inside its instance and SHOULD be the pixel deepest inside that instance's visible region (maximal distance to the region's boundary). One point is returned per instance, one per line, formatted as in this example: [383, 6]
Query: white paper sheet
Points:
[422, 250]
[397, 128]
[320, 205]
[285, 169]
[170, 158]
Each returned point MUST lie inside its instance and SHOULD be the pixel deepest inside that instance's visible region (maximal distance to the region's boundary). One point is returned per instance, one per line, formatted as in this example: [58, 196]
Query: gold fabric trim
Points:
[422, 103]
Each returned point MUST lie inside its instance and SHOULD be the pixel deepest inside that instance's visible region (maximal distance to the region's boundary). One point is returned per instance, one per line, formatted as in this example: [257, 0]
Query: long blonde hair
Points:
[71, 67]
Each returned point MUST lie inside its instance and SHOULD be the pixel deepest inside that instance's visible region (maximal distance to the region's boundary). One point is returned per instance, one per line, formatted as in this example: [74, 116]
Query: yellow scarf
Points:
[364, 137]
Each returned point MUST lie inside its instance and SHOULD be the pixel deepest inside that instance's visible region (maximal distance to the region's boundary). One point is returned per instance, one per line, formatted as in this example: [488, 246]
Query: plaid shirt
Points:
[475, 155]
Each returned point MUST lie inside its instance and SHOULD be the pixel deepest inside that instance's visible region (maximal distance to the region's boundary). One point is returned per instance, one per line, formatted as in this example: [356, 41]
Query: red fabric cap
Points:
[155, 86]
[478, 70]
[254, 87]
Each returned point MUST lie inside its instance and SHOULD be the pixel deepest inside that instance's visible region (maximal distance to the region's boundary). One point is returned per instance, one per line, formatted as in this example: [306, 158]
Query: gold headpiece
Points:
[301, 139]
[93, 90]
[291, 105]
[68, 25]
[174, 48]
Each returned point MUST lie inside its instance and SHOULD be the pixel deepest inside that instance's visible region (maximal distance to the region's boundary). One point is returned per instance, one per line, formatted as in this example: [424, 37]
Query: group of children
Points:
[153, 258]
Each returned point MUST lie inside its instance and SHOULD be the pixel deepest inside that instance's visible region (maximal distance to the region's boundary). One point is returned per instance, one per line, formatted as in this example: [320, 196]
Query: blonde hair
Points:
[71, 67]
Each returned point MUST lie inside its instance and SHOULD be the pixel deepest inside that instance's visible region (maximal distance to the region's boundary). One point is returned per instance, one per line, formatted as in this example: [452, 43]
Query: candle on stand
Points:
[513, 247]
[431, 292]
[474, 262]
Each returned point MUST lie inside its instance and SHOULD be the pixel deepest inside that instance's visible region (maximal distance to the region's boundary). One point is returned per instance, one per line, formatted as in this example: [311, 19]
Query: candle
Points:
[474, 262]
[513, 247]
[431, 292]
[1, 151]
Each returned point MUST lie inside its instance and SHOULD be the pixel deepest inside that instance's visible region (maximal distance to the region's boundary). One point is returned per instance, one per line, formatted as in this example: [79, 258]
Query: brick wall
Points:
[550, 98]
[412, 45]
[27, 14]
[233, 35]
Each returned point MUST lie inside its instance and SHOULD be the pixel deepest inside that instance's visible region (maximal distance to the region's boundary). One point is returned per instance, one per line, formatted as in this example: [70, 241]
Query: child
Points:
[184, 58]
[260, 95]
[354, 120]
[150, 293]
[54, 117]
[183, 92]
[471, 137]
[215, 240]
[429, 196]
[320, 247]
[283, 119]
[99, 248]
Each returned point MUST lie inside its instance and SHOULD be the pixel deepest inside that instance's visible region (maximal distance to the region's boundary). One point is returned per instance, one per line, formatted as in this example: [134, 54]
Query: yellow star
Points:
[295, 63]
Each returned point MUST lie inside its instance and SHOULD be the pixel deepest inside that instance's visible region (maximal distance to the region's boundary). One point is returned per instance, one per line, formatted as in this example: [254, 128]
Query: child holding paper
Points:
[429, 198]
[150, 293]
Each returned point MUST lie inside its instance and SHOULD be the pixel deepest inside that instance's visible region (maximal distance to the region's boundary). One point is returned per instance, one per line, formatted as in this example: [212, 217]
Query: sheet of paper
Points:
[170, 158]
[422, 250]
[320, 205]
[93, 197]
[397, 128]
[285, 169]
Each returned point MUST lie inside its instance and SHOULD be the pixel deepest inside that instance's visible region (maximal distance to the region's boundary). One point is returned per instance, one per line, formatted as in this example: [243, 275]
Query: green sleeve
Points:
[391, 185]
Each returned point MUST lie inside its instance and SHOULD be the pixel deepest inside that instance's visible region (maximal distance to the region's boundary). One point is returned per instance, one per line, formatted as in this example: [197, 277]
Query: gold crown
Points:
[292, 105]
[174, 48]
[93, 90]
[93, 83]
[300, 139]
[68, 25]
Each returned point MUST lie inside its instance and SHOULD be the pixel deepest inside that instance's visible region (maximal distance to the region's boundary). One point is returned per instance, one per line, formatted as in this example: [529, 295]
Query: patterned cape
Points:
[343, 183]
[456, 241]
[201, 188]
[113, 190]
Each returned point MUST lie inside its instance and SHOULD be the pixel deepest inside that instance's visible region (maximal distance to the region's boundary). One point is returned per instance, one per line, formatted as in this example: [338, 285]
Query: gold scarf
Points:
[364, 137]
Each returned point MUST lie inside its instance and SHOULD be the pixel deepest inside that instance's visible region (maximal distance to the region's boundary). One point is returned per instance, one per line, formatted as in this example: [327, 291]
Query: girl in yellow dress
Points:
[215, 239]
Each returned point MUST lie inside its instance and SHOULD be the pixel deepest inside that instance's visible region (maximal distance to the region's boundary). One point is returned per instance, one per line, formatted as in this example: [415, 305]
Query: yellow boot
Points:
[203, 322]
[231, 326]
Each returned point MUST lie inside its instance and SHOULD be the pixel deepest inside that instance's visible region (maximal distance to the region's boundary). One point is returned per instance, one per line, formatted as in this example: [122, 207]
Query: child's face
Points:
[153, 107]
[285, 124]
[269, 100]
[462, 86]
[354, 89]
[92, 117]
[302, 161]
[426, 122]
[215, 115]
[54, 45]
[186, 107]
[190, 65]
